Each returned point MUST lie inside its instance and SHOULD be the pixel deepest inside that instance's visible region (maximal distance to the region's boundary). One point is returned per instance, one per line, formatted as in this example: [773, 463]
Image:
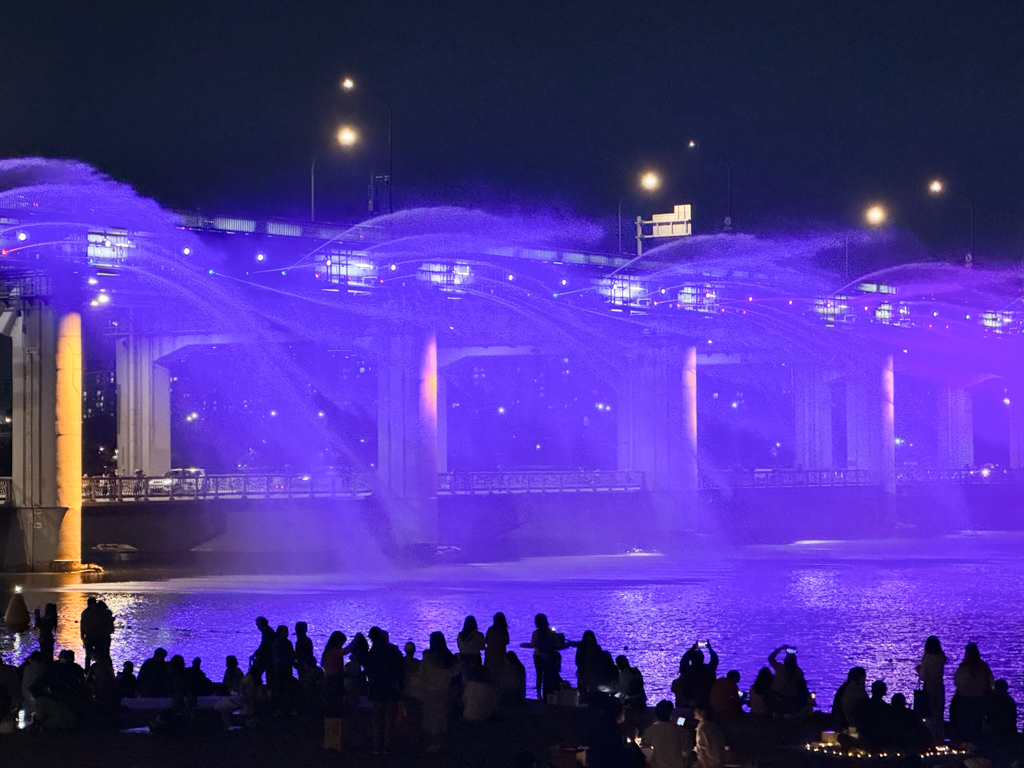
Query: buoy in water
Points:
[16, 616]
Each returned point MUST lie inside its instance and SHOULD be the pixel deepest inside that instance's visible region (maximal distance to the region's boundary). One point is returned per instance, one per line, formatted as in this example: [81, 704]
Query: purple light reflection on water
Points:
[837, 613]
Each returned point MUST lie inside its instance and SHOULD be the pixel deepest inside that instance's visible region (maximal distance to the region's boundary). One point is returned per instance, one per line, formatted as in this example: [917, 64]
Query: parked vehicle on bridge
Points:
[189, 481]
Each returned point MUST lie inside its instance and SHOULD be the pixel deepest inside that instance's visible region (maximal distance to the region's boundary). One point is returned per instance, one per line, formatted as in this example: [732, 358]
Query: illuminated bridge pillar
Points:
[143, 404]
[1016, 395]
[46, 419]
[812, 402]
[657, 422]
[870, 424]
[955, 426]
[407, 435]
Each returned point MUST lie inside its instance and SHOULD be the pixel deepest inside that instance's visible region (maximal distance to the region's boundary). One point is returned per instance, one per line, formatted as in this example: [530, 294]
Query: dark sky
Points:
[821, 105]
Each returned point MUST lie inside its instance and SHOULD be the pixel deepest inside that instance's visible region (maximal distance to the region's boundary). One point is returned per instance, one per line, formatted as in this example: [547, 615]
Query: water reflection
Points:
[838, 615]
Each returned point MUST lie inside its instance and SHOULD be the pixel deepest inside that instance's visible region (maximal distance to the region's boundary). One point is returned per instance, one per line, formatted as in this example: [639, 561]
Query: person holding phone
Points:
[789, 685]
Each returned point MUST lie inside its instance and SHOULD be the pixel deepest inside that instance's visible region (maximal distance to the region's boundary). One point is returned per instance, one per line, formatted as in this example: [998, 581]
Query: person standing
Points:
[436, 685]
[973, 681]
[932, 670]
[47, 626]
[385, 673]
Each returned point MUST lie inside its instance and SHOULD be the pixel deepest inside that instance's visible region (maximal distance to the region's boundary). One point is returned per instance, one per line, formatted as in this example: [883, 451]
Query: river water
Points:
[869, 604]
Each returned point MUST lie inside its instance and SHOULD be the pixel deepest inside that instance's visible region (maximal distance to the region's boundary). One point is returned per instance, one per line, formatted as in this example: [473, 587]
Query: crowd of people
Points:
[482, 676]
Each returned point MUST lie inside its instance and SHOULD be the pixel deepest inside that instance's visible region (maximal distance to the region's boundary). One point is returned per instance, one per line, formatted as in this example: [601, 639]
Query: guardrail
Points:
[132, 489]
[578, 481]
[788, 478]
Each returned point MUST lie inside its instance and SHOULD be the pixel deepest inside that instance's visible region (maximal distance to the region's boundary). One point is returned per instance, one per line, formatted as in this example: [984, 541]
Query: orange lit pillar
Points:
[69, 439]
[407, 426]
[870, 424]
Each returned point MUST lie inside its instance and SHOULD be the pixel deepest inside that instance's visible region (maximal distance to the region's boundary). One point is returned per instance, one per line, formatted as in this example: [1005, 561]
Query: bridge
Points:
[417, 301]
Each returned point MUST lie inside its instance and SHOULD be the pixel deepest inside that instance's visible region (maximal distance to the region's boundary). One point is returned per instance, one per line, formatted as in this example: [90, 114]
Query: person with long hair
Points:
[471, 643]
[436, 671]
[931, 671]
[973, 681]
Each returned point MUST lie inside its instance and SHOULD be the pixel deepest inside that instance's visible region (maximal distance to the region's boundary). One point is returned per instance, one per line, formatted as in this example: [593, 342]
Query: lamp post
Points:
[874, 216]
[936, 187]
[649, 182]
[692, 144]
[347, 137]
[349, 85]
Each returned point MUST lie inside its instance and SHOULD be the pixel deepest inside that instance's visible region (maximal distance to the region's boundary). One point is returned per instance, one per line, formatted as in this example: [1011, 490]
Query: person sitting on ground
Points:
[710, 747]
[1001, 712]
[760, 699]
[631, 685]
[103, 687]
[198, 682]
[911, 735]
[789, 685]
[33, 670]
[850, 696]
[153, 676]
[725, 701]
[127, 681]
[605, 745]
[515, 680]
[305, 659]
[479, 698]
[232, 680]
[667, 740]
[874, 720]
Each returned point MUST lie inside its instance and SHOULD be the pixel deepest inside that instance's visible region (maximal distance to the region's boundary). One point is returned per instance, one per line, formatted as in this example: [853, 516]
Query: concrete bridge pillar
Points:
[1016, 407]
[955, 428]
[143, 405]
[657, 419]
[45, 529]
[407, 434]
[812, 404]
[870, 424]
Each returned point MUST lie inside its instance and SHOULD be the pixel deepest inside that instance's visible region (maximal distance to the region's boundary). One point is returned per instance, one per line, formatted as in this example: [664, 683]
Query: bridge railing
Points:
[582, 481]
[130, 489]
[787, 478]
[919, 476]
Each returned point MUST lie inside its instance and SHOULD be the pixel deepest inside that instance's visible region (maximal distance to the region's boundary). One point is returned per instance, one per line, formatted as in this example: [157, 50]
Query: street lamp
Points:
[649, 182]
[347, 137]
[874, 216]
[348, 85]
[936, 187]
[692, 144]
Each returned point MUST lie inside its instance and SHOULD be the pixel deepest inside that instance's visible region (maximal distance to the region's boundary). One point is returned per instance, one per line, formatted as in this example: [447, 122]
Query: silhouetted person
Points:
[516, 689]
[283, 659]
[606, 748]
[90, 628]
[106, 628]
[153, 676]
[471, 643]
[198, 682]
[495, 661]
[261, 659]
[127, 681]
[710, 747]
[333, 664]
[1002, 711]
[305, 659]
[874, 720]
[588, 660]
[761, 695]
[725, 702]
[911, 735]
[631, 685]
[669, 742]
[232, 680]
[545, 643]
[851, 695]
[932, 670]
[47, 626]
[973, 680]
[385, 674]
[355, 669]
[696, 676]
[436, 671]
[790, 685]
[479, 698]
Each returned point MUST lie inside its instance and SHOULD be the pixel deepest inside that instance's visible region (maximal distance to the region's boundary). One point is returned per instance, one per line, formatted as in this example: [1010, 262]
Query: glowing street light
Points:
[349, 85]
[649, 182]
[936, 187]
[875, 216]
[347, 137]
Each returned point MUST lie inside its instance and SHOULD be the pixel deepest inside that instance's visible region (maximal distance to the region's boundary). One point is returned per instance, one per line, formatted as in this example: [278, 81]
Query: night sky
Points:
[822, 106]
